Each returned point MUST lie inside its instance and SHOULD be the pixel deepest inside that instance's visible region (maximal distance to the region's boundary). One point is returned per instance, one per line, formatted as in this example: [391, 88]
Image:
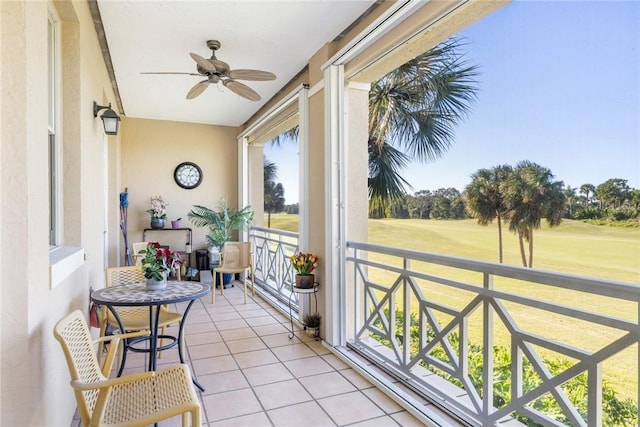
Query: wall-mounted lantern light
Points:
[110, 119]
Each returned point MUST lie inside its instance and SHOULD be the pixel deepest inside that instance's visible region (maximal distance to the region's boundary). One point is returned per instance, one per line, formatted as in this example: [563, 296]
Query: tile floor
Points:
[255, 376]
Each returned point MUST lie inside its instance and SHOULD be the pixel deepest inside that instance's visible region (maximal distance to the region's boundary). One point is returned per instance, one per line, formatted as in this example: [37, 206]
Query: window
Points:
[53, 143]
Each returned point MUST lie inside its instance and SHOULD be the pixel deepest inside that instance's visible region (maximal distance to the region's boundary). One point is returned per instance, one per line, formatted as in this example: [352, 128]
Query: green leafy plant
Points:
[311, 320]
[157, 261]
[221, 222]
[617, 411]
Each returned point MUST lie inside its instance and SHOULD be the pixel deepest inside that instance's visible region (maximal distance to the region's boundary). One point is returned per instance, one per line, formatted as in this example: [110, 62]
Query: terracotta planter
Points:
[305, 281]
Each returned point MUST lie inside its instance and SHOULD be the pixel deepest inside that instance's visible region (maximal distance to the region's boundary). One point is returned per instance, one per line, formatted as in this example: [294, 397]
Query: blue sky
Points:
[559, 85]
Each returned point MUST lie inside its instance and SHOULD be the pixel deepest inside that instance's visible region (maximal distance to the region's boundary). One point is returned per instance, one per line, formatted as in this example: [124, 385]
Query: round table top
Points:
[136, 294]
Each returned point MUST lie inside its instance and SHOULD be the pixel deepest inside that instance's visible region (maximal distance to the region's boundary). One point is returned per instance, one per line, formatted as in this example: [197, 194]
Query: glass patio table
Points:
[136, 295]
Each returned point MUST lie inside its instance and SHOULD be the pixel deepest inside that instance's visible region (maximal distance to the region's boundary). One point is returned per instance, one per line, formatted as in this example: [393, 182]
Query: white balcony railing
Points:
[458, 331]
[273, 272]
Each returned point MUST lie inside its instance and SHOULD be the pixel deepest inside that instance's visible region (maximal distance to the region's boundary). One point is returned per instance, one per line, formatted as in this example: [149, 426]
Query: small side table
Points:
[302, 291]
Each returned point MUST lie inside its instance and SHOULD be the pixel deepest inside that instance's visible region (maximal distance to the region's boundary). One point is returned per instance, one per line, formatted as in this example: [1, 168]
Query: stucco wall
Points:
[150, 152]
[34, 379]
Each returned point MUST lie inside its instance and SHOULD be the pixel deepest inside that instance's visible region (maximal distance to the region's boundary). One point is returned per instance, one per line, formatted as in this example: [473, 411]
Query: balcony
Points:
[253, 374]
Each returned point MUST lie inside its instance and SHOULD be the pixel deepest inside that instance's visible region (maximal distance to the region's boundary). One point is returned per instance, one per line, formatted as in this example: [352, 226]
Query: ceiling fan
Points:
[217, 71]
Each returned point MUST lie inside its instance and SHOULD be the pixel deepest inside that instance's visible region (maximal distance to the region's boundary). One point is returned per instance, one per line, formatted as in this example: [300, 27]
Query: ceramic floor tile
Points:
[382, 400]
[231, 404]
[262, 320]
[240, 306]
[231, 324]
[350, 408]
[308, 366]
[335, 361]
[385, 421]
[203, 338]
[292, 352]
[213, 365]
[208, 350]
[318, 347]
[244, 345]
[308, 414]
[237, 334]
[223, 381]
[405, 419]
[273, 329]
[255, 358]
[254, 420]
[279, 340]
[325, 385]
[198, 327]
[219, 307]
[266, 374]
[356, 379]
[198, 318]
[281, 394]
[227, 315]
[253, 313]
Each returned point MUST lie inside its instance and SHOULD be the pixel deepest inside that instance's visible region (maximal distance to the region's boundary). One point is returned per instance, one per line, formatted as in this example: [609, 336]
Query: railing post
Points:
[594, 384]
[487, 349]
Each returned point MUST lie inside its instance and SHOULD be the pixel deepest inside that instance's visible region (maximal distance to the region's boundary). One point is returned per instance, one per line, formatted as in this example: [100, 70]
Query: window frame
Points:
[54, 140]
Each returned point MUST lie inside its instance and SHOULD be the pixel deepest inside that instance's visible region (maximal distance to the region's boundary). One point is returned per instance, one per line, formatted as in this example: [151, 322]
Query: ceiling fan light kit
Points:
[216, 71]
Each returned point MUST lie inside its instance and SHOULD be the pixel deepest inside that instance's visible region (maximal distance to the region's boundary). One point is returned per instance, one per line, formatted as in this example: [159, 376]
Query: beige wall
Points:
[34, 381]
[150, 151]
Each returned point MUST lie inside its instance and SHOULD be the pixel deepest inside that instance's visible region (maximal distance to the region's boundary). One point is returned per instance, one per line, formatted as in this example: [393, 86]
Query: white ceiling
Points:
[277, 36]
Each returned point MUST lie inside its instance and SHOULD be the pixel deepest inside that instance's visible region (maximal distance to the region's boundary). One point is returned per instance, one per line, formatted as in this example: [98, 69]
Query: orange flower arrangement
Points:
[303, 263]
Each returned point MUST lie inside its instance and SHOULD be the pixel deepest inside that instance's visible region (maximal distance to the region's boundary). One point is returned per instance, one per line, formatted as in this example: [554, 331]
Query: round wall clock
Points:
[188, 175]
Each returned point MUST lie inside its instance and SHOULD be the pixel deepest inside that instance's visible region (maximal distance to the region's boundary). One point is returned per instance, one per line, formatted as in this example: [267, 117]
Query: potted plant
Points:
[221, 223]
[158, 212]
[304, 264]
[157, 262]
[312, 324]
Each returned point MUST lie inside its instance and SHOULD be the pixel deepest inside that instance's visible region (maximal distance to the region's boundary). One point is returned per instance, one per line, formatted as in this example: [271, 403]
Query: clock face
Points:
[188, 175]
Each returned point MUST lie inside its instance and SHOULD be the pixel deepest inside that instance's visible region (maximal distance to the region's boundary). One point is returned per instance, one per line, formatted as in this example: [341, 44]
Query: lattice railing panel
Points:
[273, 272]
[404, 320]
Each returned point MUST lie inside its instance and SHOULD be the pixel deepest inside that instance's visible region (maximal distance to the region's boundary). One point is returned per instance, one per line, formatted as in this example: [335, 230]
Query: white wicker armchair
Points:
[131, 400]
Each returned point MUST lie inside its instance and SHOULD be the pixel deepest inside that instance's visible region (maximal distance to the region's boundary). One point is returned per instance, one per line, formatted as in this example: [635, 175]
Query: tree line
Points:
[520, 198]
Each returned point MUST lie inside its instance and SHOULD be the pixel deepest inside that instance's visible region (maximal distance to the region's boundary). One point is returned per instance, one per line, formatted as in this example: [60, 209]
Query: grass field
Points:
[573, 247]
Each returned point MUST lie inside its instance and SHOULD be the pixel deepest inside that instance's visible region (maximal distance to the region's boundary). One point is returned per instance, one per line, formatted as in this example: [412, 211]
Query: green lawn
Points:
[573, 247]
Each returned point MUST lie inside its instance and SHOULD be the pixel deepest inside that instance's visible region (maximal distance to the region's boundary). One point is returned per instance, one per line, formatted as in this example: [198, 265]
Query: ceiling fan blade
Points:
[242, 90]
[221, 66]
[202, 62]
[254, 75]
[198, 89]
[169, 72]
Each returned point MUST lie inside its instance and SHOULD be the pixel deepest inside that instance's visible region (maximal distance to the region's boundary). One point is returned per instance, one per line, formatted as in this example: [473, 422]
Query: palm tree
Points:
[273, 199]
[570, 195]
[413, 112]
[532, 195]
[484, 197]
[273, 193]
[587, 189]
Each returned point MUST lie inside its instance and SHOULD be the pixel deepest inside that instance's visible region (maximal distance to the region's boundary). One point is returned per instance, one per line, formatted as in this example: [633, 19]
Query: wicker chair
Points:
[131, 400]
[133, 318]
[237, 257]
